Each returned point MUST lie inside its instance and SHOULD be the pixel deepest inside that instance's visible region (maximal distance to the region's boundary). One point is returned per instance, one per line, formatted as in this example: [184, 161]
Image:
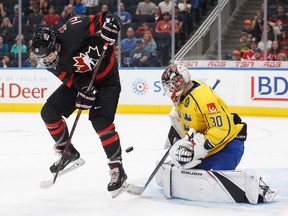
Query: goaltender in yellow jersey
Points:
[213, 137]
[207, 113]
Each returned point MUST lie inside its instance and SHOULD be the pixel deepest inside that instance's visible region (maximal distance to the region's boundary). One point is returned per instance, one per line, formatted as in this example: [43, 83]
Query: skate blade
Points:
[134, 189]
[119, 191]
[74, 165]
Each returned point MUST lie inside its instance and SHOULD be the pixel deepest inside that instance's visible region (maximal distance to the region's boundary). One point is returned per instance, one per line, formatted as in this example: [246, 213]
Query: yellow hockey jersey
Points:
[203, 110]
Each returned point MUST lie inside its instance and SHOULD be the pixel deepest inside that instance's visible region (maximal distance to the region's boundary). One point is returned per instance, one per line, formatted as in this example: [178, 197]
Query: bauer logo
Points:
[140, 86]
[264, 88]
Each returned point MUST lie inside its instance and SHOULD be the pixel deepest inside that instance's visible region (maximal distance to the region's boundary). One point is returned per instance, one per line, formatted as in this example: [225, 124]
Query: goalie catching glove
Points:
[85, 99]
[189, 151]
[110, 29]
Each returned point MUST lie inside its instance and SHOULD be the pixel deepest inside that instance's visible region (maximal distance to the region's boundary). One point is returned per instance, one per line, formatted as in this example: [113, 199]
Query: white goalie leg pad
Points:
[209, 186]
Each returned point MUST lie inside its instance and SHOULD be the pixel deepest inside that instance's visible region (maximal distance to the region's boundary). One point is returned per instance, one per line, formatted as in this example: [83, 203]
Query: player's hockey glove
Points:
[110, 29]
[182, 151]
[189, 151]
[85, 99]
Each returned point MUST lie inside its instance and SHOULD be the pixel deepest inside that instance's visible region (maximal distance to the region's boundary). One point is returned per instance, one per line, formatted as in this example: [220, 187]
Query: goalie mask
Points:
[44, 47]
[174, 81]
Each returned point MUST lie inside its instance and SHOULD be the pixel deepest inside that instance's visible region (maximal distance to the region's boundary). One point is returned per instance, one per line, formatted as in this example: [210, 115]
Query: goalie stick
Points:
[95, 71]
[137, 190]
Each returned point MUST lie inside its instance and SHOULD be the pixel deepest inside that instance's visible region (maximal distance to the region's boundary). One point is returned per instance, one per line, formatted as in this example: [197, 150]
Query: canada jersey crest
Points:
[85, 62]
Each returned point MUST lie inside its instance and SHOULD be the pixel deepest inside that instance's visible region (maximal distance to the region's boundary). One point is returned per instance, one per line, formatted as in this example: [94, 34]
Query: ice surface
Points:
[26, 154]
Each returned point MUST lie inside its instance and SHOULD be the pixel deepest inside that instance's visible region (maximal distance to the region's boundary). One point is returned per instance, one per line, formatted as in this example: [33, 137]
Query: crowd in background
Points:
[251, 45]
[146, 30]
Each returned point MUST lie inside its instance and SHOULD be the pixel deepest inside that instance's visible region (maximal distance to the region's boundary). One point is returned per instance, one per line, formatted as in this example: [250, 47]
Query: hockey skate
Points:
[117, 184]
[266, 194]
[71, 156]
[71, 162]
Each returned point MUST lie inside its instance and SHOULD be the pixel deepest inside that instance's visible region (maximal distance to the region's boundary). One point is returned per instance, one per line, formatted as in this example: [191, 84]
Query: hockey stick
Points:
[137, 190]
[216, 83]
[95, 71]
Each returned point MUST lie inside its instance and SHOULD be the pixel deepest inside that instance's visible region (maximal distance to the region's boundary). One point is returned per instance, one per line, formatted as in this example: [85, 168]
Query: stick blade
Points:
[134, 190]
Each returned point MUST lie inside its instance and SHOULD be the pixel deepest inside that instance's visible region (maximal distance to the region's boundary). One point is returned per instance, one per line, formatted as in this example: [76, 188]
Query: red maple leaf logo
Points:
[82, 67]
[84, 62]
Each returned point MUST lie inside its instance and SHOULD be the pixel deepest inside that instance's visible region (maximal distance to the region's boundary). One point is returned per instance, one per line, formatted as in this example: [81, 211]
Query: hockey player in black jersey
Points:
[71, 53]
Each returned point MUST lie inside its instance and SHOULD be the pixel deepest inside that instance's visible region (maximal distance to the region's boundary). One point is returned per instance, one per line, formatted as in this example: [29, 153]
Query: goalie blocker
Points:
[213, 186]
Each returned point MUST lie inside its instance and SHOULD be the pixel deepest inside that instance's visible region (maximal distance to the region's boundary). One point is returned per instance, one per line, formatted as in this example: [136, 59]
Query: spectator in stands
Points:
[109, 3]
[282, 57]
[258, 55]
[283, 39]
[29, 9]
[247, 55]
[258, 23]
[14, 17]
[124, 15]
[91, 6]
[144, 28]
[184, 6]
[4, 47]
[52, 18]
[165, 25]
[274, 51]
[284, 48]
[140, 57]
[249, 27]
[104, 8]
[128, 44]
[261, 44]
[7, 30]
[79, 8]
[166, 6]
[236, 55]
[3, 12]
[8, 61]
[145, 7]
[244, 43]
[149, 42]
[69, 13]
[36, 17]
[278, 20]
[151, 46]
[179, 18]
[44, 8]
[157, 14]
[271, 33]
[31, 61]
[196, 12]
[29, 45]
[14, 48]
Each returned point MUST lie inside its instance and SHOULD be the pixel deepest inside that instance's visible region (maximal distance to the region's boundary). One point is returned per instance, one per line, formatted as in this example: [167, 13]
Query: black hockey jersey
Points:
[81, 47]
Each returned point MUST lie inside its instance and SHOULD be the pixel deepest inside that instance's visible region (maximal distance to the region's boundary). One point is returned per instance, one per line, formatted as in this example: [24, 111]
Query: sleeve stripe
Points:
[91, 25]
[109, 67]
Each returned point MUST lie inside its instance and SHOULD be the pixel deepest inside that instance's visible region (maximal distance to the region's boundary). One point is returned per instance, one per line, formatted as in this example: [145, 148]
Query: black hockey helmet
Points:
[43, 44]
